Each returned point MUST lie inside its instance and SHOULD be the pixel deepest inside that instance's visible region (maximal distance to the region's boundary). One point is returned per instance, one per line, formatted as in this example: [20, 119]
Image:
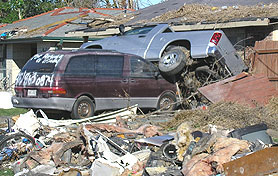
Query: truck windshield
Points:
[43, 63]
[142, 30]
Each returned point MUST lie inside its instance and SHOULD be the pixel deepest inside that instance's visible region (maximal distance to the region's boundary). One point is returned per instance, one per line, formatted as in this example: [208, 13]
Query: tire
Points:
[173, 60]
[167, 102]
[14, 146]
[205, 75]
[83, 108]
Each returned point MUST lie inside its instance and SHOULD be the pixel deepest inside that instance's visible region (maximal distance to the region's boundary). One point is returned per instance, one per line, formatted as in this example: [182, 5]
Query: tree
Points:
[12, 10]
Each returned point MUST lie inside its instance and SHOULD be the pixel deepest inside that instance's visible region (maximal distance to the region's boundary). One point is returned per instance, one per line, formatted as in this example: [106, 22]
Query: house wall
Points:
[21, 53]
[247, 36]
[17, 55]
[44, 46]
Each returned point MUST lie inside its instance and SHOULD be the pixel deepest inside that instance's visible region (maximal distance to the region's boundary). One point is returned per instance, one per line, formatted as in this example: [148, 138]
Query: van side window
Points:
[140, 68]
[109, 65]
[81, 65]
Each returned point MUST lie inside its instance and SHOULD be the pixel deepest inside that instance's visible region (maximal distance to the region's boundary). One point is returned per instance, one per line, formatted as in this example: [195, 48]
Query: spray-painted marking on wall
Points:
[33, 78]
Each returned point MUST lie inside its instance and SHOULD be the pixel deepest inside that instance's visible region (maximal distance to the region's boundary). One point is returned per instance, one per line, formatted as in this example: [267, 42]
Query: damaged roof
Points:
[54, 23]
[175, 5]
[190, 15]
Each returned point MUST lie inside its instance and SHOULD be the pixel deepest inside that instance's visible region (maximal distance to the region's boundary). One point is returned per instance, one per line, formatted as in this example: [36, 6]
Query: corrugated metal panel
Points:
[243, 88]
[265, 60]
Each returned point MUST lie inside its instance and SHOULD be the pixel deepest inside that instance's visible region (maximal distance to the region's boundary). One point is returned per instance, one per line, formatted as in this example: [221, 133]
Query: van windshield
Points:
[43, 63]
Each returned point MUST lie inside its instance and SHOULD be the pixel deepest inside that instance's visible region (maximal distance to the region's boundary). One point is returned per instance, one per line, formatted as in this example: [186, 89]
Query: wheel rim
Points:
[15, 148]
[166, 103]
[170, 59]
[84, 109]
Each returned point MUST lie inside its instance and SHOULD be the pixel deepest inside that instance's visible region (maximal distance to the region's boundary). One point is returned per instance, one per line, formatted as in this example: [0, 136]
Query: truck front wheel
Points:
[173, 61]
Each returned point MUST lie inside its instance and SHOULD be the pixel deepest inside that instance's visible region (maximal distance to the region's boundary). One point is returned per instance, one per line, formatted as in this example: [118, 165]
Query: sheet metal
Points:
[157, 140]
[244, 89]
[256, 164]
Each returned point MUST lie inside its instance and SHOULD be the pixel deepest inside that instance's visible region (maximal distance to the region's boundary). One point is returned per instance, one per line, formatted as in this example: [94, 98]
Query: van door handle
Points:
[124, 81]
[142, 36]
[132, 80]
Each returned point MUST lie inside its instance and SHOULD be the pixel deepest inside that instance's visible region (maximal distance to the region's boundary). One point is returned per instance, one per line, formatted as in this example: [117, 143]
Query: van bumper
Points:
[56, 103]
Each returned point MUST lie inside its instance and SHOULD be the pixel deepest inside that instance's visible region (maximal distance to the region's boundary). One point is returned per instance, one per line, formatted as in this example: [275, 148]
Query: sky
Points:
[146, 3]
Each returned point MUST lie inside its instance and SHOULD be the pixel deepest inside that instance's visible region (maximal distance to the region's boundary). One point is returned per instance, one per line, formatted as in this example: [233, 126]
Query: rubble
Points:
[227, 115]
[200, 143]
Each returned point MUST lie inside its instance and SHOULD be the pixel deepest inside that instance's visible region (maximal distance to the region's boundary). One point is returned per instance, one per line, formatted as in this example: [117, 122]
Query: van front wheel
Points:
[83, 108]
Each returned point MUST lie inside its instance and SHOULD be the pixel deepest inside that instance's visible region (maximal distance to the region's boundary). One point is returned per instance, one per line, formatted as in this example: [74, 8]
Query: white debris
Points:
[27, 122]
[6, 102]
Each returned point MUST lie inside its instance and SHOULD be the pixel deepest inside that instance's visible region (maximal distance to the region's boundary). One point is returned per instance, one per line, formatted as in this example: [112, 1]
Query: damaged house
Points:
[27, 37]
[224, 138]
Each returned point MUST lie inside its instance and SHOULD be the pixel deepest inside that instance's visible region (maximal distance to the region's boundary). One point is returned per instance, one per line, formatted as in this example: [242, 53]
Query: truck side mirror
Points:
[156, 74]
[122, 29]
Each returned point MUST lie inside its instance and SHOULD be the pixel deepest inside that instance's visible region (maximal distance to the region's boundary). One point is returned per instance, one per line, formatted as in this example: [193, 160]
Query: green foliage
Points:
[12, 112]
[13, 10]
[6, 172]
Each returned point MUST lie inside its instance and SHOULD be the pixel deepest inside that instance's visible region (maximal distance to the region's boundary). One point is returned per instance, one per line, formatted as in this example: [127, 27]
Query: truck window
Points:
[142, 30]
[81, 65]
[109, 65]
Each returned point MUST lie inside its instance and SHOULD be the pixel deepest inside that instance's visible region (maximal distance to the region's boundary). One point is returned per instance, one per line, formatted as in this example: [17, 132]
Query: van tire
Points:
[167, 102]
[173, 60]
[83, 108]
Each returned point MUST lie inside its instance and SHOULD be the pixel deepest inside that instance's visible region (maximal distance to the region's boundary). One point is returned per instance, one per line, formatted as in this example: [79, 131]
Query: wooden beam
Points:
[107, 32]
[267, 51]
[264, 22]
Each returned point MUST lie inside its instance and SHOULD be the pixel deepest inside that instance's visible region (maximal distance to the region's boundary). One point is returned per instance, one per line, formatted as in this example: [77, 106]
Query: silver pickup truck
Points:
[206, 52]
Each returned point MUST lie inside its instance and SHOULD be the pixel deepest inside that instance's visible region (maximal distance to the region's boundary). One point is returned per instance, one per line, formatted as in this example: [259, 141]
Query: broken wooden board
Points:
[259, 163]
[103, 118]
[243, 88]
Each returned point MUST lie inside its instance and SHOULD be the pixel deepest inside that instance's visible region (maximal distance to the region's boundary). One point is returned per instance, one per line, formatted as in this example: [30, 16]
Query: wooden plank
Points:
[264, 22]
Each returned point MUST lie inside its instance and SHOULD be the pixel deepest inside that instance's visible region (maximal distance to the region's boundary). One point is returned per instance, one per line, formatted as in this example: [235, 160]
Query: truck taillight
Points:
[53, 90]
[216, 38]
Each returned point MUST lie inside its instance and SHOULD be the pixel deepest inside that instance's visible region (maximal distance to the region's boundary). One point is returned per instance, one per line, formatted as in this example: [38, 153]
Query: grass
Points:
[6, 172]
[12, 112]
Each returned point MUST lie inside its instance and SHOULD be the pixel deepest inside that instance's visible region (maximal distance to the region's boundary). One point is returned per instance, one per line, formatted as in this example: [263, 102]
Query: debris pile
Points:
[228, 115]
[196, 13]
[62, 147]
[203, 13]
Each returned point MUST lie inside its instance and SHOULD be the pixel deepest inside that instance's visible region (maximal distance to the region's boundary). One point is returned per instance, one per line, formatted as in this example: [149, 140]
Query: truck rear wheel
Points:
[173, 61]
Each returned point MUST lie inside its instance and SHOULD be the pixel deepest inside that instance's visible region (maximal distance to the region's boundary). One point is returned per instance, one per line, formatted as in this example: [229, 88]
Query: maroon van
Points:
[85, 81]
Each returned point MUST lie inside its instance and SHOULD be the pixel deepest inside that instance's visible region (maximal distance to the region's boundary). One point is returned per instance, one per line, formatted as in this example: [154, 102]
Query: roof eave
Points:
[44, 39]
